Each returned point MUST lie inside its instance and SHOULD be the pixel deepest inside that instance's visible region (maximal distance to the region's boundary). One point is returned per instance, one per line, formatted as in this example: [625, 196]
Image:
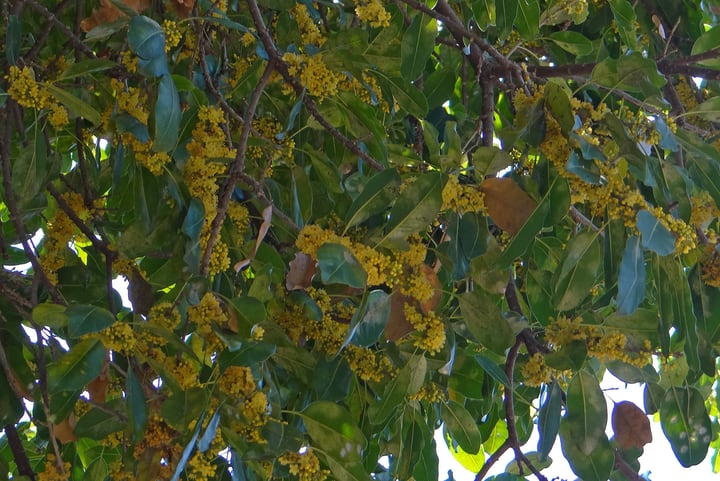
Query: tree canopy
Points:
[347, 224]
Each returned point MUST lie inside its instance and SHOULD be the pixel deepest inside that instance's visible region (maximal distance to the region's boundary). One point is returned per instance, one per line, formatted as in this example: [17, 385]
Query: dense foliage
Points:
[346, 224]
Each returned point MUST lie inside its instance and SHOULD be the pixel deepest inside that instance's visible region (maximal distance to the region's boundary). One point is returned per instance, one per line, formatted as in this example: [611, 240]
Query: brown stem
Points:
[237, 168]
[19, 455]
[44, 32]
[487, 115]
[60, 25]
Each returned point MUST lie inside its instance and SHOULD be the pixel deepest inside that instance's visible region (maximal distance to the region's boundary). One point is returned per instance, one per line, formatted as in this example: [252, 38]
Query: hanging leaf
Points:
[655, 236]
[146, 38]
[549, 418]
[507, 204]
[461, 426]
[76, 368]
[527, 19]
[371, 319]
[98, 423]
[302, 269]
[415, 209]
[686, 424]
[417, 45]
[586, 415]
[577, 272]
[630, 425]
[594, 466]
[631, 277]
[485, 321]
[505, 12]
[377, 195]
[574, 42]
[408, 381]
[167, 115]
[85, 319]
[333, 429]
[338, 265]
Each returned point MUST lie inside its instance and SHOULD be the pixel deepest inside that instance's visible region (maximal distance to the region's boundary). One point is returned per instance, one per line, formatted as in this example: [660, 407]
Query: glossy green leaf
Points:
[408, 381]
[370, 324]
[189, 448]
[333, 379]
[632, 73]
[146, 38]
[350, 471]
[77, 367]
[686, 424]
[167, 115]
[467, 377]
[709, 40]
[426, 467]
[586, 415]
[625, 20]
[85, 319]
[87, 67]
[574, 42]
[377, 194]
[578, 271]
[594, 466]
[708, 110]
[415, 209]
[98, 424]
[631, 277]
[338, 265]
[408, 96]
[75, 105]
[461, 426]
[51, 315]
[505, 12]
[194, 219]
[490, 160]
[522, 240]
[333, 429]
[209, 435]
[183, 407]
[655, 236]
[485, 321]
[137, 409]
[549, 418]
[417, 45]
[493, 370]
[557, 100]
[247, 353]
[13, 34]
[527, 20]
[412, 442]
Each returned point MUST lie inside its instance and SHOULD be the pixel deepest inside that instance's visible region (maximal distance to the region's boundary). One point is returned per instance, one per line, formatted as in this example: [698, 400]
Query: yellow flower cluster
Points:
[51, 472]
[119, 337]
[183, 371]
[685, 235]
[130, 100]
[237, 382]
[373, 13]
[173, 34]
[710, 267]
[276, 150]
[153, 161]
[314, 75]
[429, 327]
[304, 465]
[367, 364]
[158, 435]
[535, 372]
[309, 31]
[704, 210]
[200, 467]
[606, 344]
[462, 198]
[431, 392]
[576, 8]
[204, 314]
[368, 90]
[27, 92]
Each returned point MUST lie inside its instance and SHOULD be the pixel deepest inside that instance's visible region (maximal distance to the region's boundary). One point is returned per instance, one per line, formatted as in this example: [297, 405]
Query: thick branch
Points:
[19, 455]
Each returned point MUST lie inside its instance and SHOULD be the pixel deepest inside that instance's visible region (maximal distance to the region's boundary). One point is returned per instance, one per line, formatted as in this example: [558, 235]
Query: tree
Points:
[347, 224]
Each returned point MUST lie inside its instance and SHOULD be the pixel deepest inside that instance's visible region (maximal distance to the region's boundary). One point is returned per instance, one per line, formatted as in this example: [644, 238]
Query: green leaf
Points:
[333, 379]
[167, 115]
[586, 415]
[655, 236]
[210, 431]
[631, 277]
[408, 381]
[709, 40]
[426, 467]
[505, 13]
[194, 219]
[549, 418]
[77, 367]
[378, 193]
[490, 160]
[461, 426]
[686, 424]
[11, 408]
[578, 271]
[247, 354]
[557, 100]
[412, 442]
[87, 67]
[708, 110]
[522, 240]
[74, 104]
[146, 38]
[625, 19]
[51, 315]
[137, 409]
[493, 370]
[484, 13]
[332, 428]
[183, 407]
[574, 42]
[467, 377]
[350, 471]
[13, 38]
[85, 319]
[188, 449]
[339, 266]
[632, 73]
[527, 20]
[97, 424]
[407, 95]
[485, 321]
[594, 466]
[417, 44]
[415, 209]
[368, 324]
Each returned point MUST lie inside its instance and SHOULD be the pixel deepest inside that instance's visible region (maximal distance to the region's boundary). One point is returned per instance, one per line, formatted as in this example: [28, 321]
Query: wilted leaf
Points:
[302, 270]
[63, 431]
[507, 204]
[630, 425]
[97, 388]
[262, 232]
[397, 325]
[107, 12]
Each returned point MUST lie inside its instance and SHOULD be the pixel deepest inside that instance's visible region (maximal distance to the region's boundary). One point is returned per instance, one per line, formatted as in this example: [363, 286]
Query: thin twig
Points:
[60, 25]
[237, 168]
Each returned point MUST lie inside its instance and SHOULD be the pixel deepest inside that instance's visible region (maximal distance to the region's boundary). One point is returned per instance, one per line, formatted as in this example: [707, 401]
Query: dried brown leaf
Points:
[108, 13]
[97, 388]
[397, 325]
[507, 204]
[64, 430]
[262, 232]
[302, 270]
[630, 425]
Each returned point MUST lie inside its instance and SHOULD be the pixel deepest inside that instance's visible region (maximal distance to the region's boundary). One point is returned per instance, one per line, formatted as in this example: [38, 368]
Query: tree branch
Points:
[19, 455]
[74, 39]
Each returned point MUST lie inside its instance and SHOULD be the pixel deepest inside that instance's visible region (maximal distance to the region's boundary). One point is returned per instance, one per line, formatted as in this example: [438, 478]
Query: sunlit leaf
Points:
[686, 424]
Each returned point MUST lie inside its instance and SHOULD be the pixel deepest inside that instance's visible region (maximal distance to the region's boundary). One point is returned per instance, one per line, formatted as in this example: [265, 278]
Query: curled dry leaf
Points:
[64, 430]
[108, 13]
[398, 326]
[97, 388]
[262, 232]
[507, 204]
[630, 425]
[302, 270]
